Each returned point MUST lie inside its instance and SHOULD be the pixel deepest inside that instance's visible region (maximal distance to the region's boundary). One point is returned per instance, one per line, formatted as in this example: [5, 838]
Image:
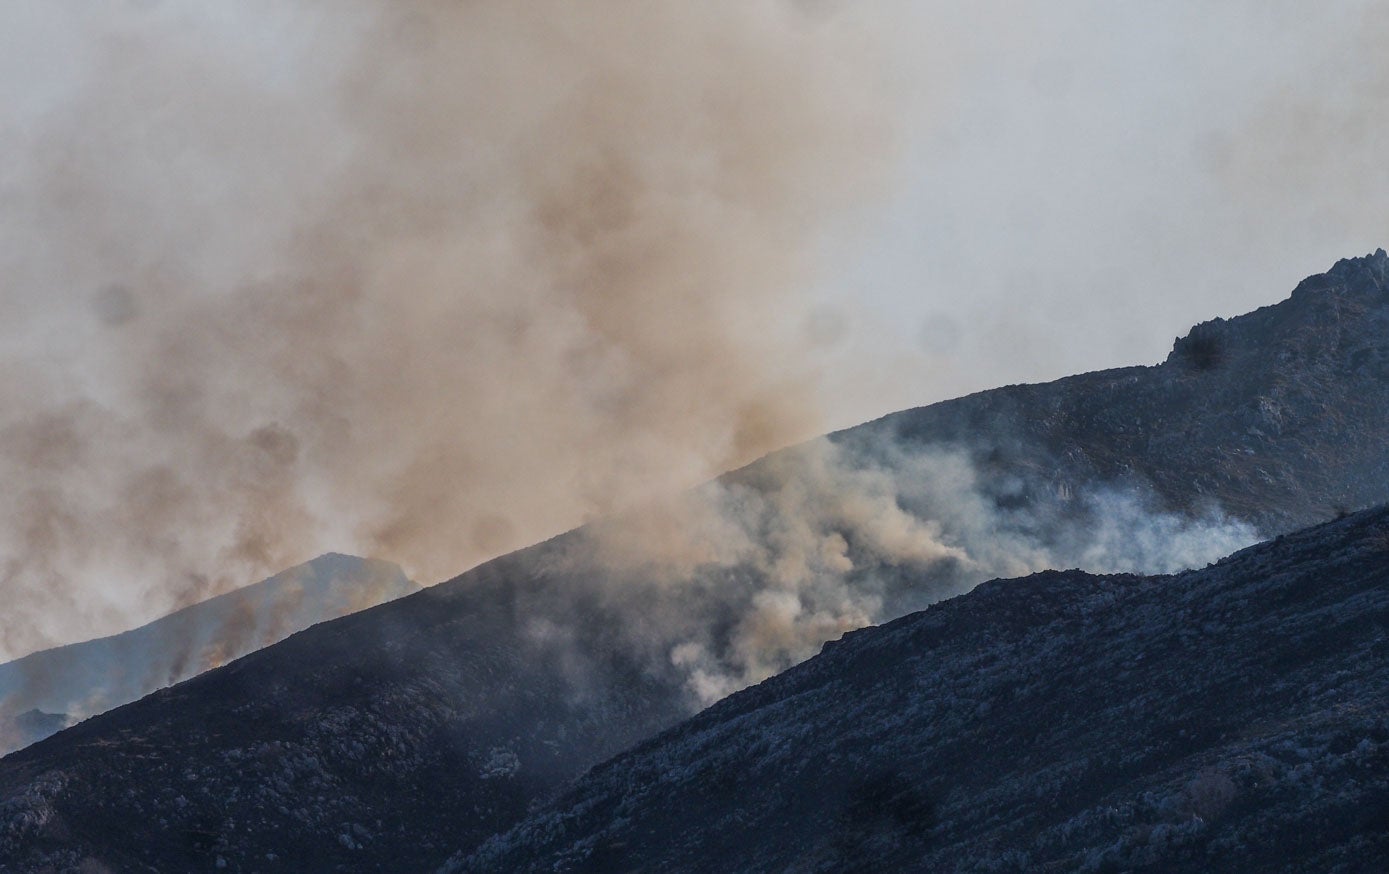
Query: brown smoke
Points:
[425, 280]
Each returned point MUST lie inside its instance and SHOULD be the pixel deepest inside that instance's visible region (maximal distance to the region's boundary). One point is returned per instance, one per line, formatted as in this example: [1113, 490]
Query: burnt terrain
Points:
[1234, 718]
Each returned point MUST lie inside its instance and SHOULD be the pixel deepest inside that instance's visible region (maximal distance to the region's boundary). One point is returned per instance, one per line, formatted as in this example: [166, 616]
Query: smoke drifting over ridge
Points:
[422, 280]
[756, 571]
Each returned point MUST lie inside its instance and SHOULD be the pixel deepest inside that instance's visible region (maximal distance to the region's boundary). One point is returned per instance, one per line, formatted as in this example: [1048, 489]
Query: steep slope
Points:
[390, 738]
[1234, 719]
[41, 692]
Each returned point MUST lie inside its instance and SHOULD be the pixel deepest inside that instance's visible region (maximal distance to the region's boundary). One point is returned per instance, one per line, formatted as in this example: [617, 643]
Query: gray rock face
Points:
[392, 738]
[44, 692]
[1229, 719]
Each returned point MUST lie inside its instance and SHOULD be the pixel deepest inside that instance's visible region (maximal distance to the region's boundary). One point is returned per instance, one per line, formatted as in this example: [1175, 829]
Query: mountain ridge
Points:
[1251, 381]
[419, 729]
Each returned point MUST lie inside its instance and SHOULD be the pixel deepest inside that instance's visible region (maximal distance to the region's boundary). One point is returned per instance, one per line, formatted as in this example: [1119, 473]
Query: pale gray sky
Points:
[1085, 181]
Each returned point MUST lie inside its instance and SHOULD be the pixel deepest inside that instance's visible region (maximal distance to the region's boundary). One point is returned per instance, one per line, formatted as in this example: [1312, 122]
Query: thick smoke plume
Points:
[423, 280]
[433, 280]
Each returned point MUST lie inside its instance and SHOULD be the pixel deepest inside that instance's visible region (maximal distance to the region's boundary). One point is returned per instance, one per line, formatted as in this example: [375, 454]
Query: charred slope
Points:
[1230, 719]
[41, 692]
[388, 739]
[356, 745]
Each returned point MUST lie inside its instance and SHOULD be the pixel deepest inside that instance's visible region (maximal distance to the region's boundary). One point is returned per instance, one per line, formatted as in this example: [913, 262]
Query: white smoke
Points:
[759, 569]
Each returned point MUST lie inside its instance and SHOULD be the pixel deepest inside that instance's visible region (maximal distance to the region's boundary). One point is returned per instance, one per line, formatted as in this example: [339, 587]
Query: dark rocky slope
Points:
[1233, 719]
[360, 744]
[388, 739]
[41, 692]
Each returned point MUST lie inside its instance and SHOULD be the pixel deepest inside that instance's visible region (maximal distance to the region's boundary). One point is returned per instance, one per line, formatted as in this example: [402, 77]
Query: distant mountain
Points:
[1231, 719]
[358, 744]
[392, 738]
[42, 692]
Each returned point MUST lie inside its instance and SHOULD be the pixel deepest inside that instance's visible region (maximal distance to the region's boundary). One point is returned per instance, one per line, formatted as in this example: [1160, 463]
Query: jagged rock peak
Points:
[1351, 296]
[1367, 274]
[1376, 264]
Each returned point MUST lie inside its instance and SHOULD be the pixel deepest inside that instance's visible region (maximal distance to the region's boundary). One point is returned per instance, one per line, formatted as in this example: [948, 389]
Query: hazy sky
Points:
[431, 280]
[1084, 181]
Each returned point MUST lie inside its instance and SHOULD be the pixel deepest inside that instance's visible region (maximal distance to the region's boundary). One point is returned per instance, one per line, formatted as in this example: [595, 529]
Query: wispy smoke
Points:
[425, 280]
